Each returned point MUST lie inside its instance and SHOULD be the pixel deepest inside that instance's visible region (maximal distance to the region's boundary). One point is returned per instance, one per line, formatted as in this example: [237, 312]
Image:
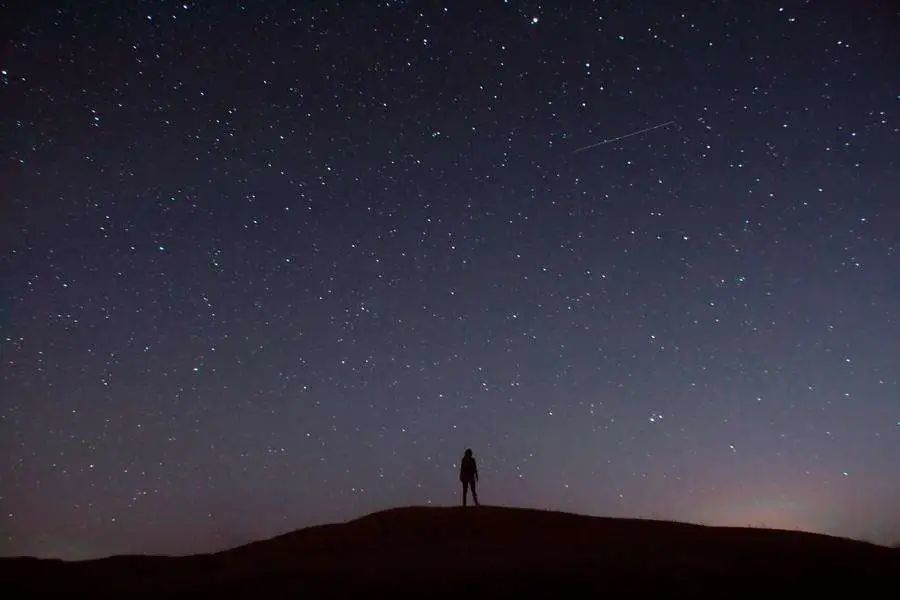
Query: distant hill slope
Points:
[481, 552]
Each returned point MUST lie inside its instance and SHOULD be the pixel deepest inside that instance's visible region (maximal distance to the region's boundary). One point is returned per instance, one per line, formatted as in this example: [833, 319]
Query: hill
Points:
[481, 552]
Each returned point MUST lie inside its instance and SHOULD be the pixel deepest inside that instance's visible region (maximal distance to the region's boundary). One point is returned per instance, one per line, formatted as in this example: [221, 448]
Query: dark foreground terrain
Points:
[482, 552]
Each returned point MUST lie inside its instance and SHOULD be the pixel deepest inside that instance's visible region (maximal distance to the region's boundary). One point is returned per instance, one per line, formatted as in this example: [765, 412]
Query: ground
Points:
[482, 552]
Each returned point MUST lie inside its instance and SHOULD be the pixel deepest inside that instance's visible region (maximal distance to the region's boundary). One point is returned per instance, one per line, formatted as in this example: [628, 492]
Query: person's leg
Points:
[474, 493]
[465, 491]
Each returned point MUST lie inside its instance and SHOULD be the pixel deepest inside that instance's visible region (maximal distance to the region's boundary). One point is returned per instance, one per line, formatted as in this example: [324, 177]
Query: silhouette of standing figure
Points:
[468, 474]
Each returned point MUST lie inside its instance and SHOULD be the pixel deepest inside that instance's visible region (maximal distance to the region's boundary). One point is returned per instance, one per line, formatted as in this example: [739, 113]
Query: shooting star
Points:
[622, 137]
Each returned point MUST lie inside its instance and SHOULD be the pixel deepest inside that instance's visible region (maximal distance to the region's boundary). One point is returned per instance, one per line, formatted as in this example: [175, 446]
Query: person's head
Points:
[468, 452]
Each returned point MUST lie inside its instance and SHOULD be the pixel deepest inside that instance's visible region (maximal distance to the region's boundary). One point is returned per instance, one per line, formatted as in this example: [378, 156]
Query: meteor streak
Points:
[622, 137]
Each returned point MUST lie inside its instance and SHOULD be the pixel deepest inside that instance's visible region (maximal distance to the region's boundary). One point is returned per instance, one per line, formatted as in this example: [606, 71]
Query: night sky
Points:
[265, 265]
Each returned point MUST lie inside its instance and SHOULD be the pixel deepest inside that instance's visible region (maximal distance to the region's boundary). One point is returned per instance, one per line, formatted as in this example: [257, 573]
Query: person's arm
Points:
[476, 469]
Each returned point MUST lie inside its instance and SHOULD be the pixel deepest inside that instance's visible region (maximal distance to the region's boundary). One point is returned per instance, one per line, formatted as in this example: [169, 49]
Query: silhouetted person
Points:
[468, 474]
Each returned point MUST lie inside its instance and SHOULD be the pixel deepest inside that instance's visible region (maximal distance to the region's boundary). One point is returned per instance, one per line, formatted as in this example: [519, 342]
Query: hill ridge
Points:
[481, 551]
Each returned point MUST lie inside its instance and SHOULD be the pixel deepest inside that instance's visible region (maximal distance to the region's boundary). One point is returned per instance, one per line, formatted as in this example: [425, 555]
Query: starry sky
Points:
[265, 265]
